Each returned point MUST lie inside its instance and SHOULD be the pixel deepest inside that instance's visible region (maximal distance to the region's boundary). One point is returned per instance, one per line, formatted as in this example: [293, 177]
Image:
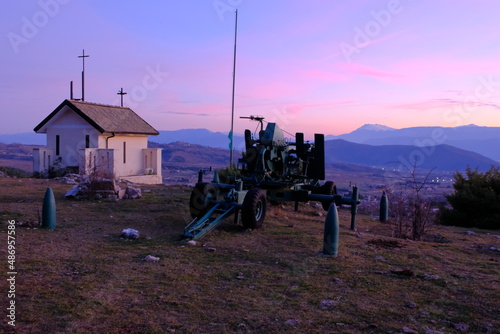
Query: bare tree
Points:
[410, 211]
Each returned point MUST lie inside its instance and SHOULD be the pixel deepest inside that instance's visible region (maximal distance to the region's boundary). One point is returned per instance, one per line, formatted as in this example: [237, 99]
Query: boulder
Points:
[130, 233]
[151, 258]
[94, 189]
[73, 192]
[132, 193]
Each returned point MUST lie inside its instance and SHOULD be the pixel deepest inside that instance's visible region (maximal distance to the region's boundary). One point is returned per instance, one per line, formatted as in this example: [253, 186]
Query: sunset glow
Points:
[316, 66]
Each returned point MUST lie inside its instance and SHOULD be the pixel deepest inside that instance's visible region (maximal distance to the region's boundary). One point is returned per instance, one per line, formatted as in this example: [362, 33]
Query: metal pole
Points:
[354, 207]
[83, 85]
[231, 158]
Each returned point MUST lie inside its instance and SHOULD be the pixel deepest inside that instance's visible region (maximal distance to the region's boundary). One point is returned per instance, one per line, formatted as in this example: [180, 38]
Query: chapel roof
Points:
[104, 118]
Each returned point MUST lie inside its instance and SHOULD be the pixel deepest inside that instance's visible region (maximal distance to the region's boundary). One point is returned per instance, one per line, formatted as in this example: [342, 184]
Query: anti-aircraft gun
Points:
[271, 161]
[271, 169]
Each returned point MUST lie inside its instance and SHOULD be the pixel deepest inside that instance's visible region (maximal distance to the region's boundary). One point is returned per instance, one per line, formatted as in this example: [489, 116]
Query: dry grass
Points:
[82, 278]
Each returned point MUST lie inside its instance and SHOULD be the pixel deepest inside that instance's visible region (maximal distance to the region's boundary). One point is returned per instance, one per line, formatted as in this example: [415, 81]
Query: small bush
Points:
[476, 200]
[229, 174]
[411, 215]
[14, 172]
[56, 170]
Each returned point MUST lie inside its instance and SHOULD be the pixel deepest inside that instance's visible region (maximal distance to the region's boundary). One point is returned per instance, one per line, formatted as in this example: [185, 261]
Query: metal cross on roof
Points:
[121, 93]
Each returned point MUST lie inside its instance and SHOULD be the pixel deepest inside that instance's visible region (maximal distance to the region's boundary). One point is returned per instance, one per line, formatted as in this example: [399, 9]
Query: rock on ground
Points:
[130, 233]
[132, 193]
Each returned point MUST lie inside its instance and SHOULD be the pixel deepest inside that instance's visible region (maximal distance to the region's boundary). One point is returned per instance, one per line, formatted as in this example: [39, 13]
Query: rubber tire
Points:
[328, 188]
[254, 208]
[198, 202]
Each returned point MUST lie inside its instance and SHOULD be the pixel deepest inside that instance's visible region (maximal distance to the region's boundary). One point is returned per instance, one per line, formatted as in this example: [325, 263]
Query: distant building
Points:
[90, 137]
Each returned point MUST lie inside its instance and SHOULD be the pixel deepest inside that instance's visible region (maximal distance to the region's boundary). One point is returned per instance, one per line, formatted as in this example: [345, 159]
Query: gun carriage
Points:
[272, 170]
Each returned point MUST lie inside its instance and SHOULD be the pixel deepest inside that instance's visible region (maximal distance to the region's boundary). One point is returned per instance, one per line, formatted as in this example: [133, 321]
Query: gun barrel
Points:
[253, 118]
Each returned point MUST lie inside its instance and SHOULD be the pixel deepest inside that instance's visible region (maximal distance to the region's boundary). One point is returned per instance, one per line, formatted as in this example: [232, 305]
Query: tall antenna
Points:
[83, 56]
[231, 158]
[121, 93]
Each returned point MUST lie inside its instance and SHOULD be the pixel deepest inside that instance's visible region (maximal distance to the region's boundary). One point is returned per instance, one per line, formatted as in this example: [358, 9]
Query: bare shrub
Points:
[410, 212]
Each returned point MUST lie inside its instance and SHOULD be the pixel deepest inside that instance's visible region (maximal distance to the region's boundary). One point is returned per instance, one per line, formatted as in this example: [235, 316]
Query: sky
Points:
[318, 66]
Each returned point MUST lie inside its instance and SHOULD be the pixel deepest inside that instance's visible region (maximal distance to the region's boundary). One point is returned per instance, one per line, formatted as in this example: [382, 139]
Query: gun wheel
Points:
[253, 211]
[199, 202]
[328, 188]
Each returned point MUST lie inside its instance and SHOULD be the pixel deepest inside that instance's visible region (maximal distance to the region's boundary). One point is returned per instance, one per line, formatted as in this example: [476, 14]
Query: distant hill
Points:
[198, 136]
[440, 157]
[25, 138]
[17, 156]
[192, 155]
[480, 139]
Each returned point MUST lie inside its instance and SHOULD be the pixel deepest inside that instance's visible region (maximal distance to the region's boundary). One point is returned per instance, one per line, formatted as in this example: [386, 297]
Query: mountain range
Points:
[479, 139]
[443, 148]
[405, 157]
[339, 152]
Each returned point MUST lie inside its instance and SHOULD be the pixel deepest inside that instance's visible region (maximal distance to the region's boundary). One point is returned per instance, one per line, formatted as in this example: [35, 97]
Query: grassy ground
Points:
[83, 278]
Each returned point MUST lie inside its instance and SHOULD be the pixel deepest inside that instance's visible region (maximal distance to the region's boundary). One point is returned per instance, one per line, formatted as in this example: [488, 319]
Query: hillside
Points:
[83, 278]
[17, 155]
[192, 155]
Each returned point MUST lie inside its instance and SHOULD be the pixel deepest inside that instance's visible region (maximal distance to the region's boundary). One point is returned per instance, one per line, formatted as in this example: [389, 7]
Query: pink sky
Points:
[316, 66]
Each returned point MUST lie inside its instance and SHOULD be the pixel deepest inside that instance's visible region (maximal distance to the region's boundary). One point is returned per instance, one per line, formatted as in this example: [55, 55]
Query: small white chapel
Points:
[89, 136]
